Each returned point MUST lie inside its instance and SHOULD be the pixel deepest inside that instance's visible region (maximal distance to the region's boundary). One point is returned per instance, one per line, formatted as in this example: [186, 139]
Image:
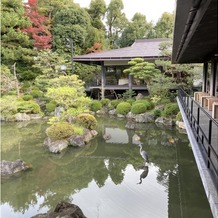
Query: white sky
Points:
[152, 9]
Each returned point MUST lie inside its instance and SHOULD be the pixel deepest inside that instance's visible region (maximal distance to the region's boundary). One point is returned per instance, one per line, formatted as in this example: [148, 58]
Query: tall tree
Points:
[70, 23]
[38, 31]
[97, 10]
[138, 28]
[16, 45]
[164, 26]
[116, 21]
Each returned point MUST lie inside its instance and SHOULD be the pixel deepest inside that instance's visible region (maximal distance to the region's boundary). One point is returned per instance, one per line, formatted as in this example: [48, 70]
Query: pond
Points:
[106, 178]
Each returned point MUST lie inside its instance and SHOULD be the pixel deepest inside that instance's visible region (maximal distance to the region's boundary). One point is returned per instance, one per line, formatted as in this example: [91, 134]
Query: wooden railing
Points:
[205, 130]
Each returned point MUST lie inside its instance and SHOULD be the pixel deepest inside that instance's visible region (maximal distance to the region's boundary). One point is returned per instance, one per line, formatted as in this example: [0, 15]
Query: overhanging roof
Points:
[195, 31]
[143, 48]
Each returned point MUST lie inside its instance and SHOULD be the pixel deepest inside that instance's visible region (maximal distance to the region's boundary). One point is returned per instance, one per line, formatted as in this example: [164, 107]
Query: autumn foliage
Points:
[39, 30]
[97, 47]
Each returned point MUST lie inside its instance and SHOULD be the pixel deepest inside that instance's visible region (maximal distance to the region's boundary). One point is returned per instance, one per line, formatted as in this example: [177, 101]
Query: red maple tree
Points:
[39, 30]
[97, 47]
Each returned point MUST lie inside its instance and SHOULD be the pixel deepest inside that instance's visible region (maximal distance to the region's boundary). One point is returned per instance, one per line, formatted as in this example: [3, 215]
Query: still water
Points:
[106, 178]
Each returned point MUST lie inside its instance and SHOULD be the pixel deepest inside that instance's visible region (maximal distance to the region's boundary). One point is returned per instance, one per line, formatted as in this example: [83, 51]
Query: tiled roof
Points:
[144, 48]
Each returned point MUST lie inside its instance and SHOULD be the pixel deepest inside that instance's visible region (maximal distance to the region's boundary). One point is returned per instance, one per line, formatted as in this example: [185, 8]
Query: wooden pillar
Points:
[213, 77]
[103, 81]
[205, 75]
[130, 82]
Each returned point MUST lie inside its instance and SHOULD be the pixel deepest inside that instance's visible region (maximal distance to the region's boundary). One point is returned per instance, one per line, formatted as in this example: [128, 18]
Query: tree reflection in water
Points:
[58, 177]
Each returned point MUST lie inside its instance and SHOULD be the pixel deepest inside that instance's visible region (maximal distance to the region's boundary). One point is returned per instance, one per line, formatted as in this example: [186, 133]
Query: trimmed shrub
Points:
[164, 101]
[138, 108]
[179, 117]
[60, 130]
[50, 107]
[157, 113]
[95, 105]
[123, 108]
[114, 103]
[148, 104]
[105, 102]
[171, 109]
[87, 121]
[131, 101]
[29, 107]
[12, 93]
[36, 93]
[27, 97]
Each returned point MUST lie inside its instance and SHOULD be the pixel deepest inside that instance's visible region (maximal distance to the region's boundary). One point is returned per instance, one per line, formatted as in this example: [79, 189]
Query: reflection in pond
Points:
[102, 178]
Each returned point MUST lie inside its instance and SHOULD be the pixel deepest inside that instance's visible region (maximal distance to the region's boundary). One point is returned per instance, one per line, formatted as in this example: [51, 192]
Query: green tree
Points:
[116, 21]
[143, 70]
[16, 46]
[164, 26]
[137, 29]
[70, 23]
[97, 9]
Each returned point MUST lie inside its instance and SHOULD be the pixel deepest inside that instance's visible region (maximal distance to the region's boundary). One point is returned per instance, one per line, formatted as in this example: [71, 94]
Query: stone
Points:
[94, 132]
[120, 116]
[139, 96]
[10, 167]
[130, 115]
[35, 116]
[130, 124]
[101, 112]
[180, 124]
[22, 117]
[113, 112]
[144, 118]
[76, 141]
[63, 210]
[107, 136]
[87, 136]
[165, 121]
[56, 146]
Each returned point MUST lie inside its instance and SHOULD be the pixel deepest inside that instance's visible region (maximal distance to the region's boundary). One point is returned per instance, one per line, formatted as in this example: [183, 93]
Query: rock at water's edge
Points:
[63, 210]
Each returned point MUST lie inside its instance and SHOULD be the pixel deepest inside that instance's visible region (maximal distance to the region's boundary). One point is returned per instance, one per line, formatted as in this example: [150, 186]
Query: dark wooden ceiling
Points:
[195, 31]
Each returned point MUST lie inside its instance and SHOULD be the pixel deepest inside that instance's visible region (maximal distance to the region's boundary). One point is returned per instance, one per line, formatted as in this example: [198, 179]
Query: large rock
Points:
[63, 210]
[139, 96]
[10, 167]
[165, 121]
[130, 124]
[144, 118]
[22, 117]
[56, 146]
[77, 140]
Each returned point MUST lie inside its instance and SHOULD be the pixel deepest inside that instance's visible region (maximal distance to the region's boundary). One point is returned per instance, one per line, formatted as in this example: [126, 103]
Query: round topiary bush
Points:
[87, 120]
[50, 107]
[123, 108]
[95, 105]
[27, 97]
[36, 93]
[114, 103]
[148, 103]
[29, 107]
[60, 130]
[138, 108]
[105, 102]
[171, 109]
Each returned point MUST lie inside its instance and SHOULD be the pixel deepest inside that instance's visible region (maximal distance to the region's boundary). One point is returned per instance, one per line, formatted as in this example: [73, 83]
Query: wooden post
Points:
[130, 82]
[205, 75]
[102, 80]
[213, 77]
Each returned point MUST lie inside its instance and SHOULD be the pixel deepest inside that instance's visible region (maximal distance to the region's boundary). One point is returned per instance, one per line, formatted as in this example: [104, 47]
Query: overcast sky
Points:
[152, 9]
